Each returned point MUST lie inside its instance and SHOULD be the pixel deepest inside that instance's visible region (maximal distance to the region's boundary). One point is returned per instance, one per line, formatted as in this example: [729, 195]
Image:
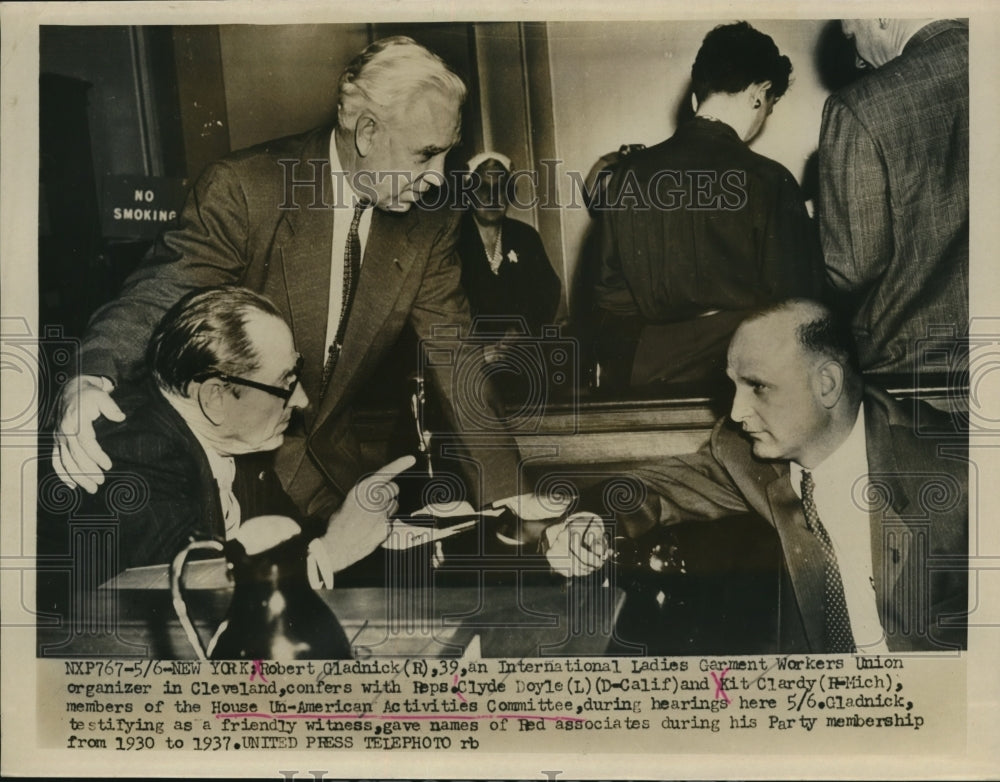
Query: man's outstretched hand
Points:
[77, 458]
[362, 523]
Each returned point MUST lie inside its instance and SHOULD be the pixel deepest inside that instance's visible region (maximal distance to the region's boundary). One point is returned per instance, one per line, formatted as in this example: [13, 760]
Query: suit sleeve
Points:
[855, 218]
[207, 248]
[690, 487]
[693, 487]
[466, 393]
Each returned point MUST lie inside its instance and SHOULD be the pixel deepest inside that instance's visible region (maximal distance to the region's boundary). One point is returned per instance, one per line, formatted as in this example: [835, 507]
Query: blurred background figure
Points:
[894, 191]
[698, 229]
[505, 270]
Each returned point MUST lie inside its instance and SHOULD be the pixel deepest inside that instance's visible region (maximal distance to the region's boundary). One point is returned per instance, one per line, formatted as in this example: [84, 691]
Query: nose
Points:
[741, 406]
[299, 399]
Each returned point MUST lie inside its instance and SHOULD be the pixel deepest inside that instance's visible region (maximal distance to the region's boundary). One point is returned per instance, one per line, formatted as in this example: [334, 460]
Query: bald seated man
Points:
[872, 514]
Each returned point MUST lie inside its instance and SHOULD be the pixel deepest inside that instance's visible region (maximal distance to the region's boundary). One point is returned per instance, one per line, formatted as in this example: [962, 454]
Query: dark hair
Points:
[734, 56]
[205, 333]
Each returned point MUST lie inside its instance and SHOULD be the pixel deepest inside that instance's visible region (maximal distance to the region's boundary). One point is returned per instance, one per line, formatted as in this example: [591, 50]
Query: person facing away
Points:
[698, 230]
[894, 194]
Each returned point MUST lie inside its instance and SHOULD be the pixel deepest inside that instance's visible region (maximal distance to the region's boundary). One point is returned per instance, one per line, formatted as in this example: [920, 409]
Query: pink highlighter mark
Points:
[258, 668]
[392, 717]
[718, 686]
[454, 689]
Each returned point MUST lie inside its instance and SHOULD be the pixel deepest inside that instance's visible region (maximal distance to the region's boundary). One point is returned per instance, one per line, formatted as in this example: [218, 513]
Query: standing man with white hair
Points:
[894, 188]
[292, 219]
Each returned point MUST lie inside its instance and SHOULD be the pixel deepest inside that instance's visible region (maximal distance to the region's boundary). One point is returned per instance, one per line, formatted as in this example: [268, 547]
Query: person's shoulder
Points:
[518, 228]
[271, 163]
[151, 430]
[728, 445]
[641, 161]
[917, 430]
[312, 145]
[769, 170]
[939, 54]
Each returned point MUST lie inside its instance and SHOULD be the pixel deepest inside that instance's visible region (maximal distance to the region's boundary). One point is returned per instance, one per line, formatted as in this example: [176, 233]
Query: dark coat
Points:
[525, 285]
[161, 488]
[695, 224]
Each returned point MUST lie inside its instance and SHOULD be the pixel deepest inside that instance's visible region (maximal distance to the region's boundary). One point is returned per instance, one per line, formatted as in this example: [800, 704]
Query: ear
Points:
[758, 92]
[365, 132]
[829, 383]
[213, 397]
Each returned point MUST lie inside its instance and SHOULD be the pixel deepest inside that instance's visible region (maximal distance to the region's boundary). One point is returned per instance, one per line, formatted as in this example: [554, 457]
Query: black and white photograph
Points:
[627, 374]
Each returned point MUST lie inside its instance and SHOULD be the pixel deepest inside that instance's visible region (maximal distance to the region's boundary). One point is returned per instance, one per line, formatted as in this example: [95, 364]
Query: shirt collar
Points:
[841, 464]
[341, 181]
[223, 467]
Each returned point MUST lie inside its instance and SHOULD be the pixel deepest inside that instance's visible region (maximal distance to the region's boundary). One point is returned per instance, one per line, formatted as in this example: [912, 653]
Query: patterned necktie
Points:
[352, 272]
[839, 637]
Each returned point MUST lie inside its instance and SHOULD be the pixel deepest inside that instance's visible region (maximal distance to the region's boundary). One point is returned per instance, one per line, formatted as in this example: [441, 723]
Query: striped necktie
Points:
[352, 273]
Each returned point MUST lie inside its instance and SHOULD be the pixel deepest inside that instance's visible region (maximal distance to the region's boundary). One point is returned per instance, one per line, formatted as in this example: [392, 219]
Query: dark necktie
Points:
[352, 273]
[839, 637]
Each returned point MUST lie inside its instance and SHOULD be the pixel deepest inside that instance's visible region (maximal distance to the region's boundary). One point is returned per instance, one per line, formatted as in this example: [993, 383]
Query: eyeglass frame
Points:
[284, 394]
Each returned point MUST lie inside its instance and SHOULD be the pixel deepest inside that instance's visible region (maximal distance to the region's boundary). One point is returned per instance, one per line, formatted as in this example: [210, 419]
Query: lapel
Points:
[890, 538]
[389, 258]
[169, 419]
[803, 556]
[303, 249]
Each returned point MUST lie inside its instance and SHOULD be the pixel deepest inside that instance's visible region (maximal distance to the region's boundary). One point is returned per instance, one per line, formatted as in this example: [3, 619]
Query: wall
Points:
[624, 83]
[103, 57]
[282, 79]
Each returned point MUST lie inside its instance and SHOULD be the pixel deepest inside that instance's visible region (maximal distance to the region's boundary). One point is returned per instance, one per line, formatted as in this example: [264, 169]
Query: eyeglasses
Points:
[284, 394]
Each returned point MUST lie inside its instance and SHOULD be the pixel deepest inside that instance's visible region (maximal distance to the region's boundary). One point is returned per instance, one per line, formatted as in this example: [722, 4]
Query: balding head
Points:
[797, 390]
[878, 41]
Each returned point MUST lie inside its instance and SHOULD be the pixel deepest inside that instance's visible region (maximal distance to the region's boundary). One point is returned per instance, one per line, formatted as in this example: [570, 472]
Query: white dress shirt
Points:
[841, 501]
[224, 471]
[344, 198]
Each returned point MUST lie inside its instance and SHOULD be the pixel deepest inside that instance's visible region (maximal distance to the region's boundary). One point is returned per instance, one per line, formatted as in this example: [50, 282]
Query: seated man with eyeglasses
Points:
[193, 453]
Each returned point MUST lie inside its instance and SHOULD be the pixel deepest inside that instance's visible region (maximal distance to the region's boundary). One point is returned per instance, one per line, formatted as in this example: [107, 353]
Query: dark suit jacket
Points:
[162, 489]
[698, 223]
[894, 197]
[527, 288]
[919, 522]
[257, 218]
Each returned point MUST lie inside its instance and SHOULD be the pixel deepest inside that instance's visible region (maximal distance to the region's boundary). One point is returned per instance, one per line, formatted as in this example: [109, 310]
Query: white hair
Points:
[388, 75]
